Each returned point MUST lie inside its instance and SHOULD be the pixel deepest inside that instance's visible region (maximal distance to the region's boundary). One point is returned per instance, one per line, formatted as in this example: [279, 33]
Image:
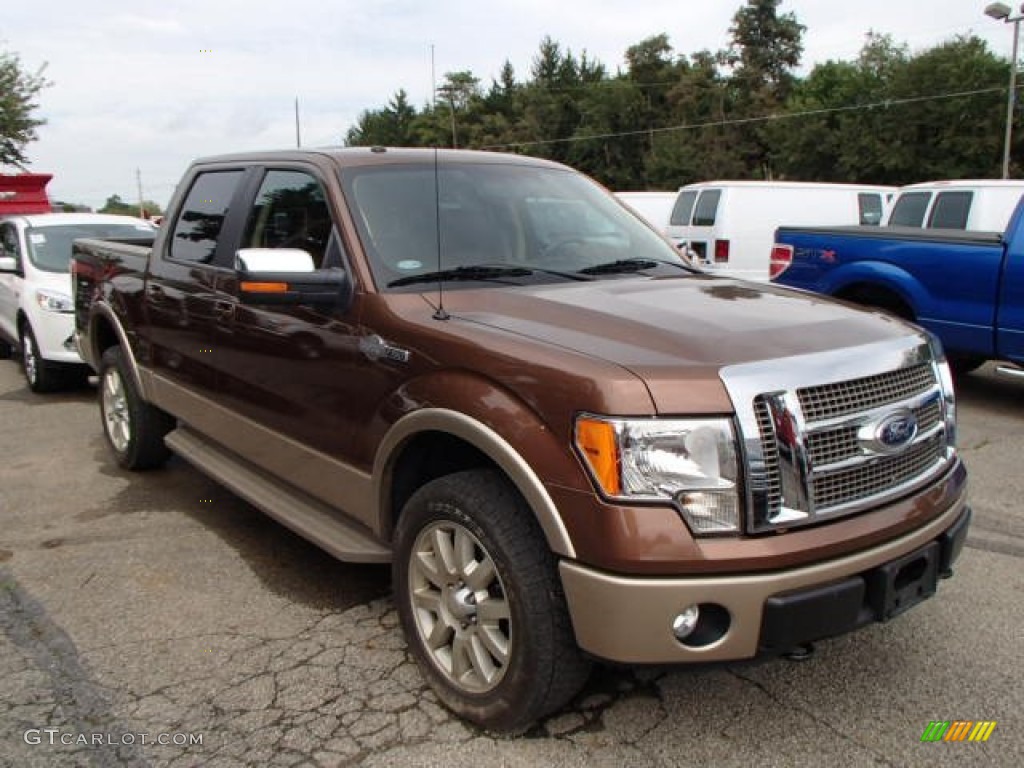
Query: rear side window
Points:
[870, 206]
[950, 210]
[683, 209]
[202, 216]
[909, 209]
[707, 208]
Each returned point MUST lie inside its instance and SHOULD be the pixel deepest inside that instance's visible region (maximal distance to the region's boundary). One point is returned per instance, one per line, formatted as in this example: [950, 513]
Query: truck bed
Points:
[916, 234]
[96, 265]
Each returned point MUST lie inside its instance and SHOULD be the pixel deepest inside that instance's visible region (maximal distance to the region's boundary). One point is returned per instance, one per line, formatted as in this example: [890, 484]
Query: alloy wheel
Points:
[460, 606]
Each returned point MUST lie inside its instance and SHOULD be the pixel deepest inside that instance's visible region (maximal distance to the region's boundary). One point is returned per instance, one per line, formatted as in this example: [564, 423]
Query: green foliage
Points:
[669, 119]
[116, 205]
[18, 91]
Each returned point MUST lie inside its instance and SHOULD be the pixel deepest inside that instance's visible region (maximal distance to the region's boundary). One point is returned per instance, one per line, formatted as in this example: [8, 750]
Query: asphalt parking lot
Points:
[164, 622]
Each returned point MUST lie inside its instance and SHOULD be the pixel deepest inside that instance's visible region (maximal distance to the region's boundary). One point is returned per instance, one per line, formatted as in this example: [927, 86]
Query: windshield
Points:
[546, 224]
[49, 247]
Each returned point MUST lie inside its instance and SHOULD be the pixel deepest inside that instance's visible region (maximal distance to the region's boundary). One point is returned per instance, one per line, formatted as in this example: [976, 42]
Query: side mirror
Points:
[8, 264]
[287, 276]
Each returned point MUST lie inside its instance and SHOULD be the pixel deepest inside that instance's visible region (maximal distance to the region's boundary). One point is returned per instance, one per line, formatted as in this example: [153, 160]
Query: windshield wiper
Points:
[621, 266]
[495, 272]
[463, 273]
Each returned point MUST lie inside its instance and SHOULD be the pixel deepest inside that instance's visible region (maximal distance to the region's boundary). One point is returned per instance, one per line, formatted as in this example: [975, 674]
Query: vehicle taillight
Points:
[782, 257]
[721, 251]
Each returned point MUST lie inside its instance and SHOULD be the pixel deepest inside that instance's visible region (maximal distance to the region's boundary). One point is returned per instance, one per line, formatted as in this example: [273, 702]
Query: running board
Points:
[1010, 371]
[308, 517]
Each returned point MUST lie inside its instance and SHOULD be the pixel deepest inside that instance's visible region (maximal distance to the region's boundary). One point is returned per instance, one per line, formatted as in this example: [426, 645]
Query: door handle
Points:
[224, 309]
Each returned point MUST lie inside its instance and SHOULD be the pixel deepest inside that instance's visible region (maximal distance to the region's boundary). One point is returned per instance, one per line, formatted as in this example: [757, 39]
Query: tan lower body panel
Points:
[630, 619]
[323, 477]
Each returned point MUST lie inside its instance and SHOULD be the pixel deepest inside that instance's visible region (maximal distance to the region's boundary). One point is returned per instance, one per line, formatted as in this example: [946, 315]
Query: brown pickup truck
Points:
[569, 443]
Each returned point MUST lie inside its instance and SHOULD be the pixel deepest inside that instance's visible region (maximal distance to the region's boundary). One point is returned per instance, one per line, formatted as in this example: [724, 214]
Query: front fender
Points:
[500, 426]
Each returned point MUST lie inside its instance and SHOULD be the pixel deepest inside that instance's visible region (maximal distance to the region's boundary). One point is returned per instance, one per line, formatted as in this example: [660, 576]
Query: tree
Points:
[118, 206]
[18, 91]
[388, 127]
[764, 51]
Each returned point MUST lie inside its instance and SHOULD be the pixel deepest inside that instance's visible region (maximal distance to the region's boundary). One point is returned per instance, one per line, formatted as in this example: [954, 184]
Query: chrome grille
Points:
[813, 459]
[831, 446]
[879, 475]
[768, 483]
[857, 395]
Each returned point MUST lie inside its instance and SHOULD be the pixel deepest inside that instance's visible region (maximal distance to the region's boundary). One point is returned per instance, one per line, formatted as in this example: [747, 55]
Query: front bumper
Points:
[629, 620]
[55, 336]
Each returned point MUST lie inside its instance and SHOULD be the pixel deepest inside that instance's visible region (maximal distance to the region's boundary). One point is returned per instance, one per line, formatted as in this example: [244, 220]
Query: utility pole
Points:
[298, 137]
[433, 80]
[138, 184]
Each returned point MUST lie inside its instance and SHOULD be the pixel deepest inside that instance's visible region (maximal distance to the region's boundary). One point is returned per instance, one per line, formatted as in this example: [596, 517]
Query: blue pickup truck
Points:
[966, 287]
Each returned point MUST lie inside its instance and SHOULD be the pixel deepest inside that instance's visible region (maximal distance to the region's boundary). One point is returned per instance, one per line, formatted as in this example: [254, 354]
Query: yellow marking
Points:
[982, 730]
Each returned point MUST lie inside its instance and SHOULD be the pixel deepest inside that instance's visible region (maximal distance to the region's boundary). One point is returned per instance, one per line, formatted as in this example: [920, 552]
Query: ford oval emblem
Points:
[891, 434]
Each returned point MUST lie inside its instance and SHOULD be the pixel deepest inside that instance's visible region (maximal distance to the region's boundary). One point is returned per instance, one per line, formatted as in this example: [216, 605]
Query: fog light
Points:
[684, 624]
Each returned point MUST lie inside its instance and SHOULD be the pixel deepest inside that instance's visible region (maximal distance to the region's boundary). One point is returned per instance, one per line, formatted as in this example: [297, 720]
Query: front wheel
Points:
[41, 375]
[480, 602]
[134, 429]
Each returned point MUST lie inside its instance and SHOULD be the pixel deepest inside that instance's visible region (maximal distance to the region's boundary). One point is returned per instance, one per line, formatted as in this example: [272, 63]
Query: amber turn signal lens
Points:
[600, 448]
[249, 287]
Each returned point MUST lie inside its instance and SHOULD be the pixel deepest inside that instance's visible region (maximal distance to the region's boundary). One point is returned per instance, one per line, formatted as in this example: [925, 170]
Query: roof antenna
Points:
[439, 313]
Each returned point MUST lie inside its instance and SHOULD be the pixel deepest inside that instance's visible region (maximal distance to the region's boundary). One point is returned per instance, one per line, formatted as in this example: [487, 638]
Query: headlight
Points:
[690, 462]
[54, 301]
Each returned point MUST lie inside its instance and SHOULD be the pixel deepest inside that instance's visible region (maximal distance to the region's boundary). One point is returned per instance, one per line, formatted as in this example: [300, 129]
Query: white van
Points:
[974, 204]
[653, 207]
[730, 225]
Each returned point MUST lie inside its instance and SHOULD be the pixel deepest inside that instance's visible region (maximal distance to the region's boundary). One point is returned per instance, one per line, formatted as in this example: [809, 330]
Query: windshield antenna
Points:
[439, 313]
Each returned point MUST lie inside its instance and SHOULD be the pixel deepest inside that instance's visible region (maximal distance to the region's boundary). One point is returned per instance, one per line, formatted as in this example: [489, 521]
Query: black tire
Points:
[961, 365]
[481, 513]
[134, 429]
[41, 375]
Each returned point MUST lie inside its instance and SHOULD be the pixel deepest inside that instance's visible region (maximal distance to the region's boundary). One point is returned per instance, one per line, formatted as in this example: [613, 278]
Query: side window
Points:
[870, 205]
[909, 209]
[950, 210]
[707, 208]
[202, 216]
[683, 209]
[9, 242]
[291, 211]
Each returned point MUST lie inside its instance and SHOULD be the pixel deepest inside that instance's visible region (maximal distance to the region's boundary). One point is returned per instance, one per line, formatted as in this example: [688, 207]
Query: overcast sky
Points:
[149, 85]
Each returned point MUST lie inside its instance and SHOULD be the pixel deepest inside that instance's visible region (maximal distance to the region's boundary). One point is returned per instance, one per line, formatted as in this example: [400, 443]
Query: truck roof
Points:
[354, 156]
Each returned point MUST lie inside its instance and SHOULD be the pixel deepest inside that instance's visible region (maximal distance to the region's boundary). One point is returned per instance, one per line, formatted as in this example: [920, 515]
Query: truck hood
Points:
[675, 331]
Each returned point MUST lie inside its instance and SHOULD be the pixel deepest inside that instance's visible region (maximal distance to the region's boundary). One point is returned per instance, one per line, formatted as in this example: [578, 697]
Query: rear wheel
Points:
[41, 375]
[481, 604]
[134, 429]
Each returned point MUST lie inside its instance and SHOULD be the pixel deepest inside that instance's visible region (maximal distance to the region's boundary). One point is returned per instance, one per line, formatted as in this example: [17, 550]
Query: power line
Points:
[747, 120]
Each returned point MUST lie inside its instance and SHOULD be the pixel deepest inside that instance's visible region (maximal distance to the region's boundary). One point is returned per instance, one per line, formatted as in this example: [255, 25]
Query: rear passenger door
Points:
[182, 303]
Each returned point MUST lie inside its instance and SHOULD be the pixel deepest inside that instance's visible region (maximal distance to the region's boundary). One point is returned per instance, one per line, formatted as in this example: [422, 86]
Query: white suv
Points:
[36, 311]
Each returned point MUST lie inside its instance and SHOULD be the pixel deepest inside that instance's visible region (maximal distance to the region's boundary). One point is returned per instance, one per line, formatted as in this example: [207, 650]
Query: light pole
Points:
[1001, 12]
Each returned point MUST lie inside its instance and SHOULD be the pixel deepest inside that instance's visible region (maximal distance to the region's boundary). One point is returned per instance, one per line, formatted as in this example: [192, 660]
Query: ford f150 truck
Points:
[966, 287]
[569, 443]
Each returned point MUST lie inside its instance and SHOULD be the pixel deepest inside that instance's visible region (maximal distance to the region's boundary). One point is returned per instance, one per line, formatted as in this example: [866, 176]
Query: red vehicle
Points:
[24, 193]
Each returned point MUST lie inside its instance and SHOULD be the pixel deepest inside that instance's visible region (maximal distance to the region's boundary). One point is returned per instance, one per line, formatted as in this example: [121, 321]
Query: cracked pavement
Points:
[159, 603]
